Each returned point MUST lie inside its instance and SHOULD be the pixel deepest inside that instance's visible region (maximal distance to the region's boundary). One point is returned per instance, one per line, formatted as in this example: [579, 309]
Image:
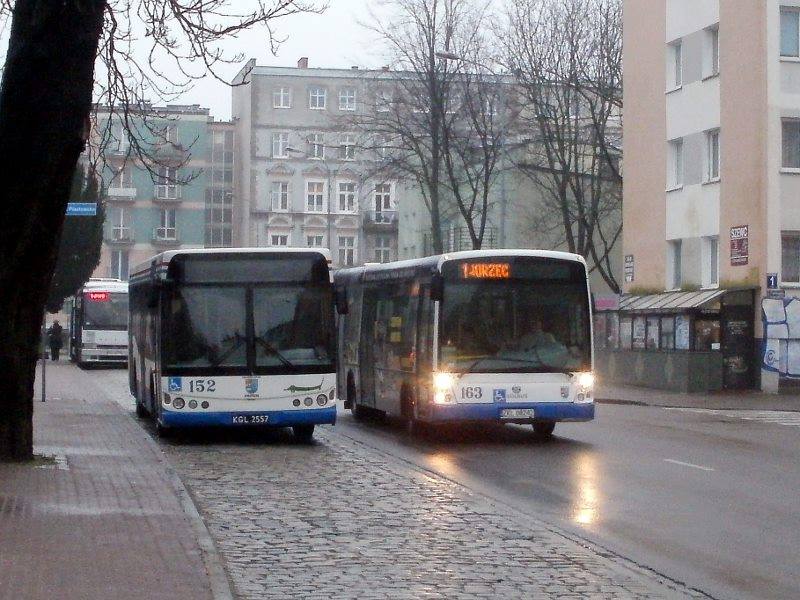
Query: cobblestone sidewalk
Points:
[341, 520]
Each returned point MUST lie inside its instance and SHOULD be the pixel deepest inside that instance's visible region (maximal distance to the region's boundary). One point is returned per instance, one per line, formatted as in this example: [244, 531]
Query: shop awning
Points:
[669, 302]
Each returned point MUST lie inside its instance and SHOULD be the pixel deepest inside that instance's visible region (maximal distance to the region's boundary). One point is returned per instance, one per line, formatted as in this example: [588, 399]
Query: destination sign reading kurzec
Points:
[483, 270]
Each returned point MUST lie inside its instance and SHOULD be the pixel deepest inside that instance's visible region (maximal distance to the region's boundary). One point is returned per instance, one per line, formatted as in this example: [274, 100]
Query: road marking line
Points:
[685, 464]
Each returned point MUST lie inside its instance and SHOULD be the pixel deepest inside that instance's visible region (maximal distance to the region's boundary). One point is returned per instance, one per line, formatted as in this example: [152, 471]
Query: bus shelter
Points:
[691, 341]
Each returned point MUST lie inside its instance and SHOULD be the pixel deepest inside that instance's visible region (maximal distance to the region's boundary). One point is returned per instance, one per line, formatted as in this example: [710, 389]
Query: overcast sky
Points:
[333, 39]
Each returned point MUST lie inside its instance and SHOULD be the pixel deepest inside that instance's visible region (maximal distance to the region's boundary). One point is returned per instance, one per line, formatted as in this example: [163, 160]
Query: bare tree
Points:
[566, 57]
[62, 58]
[437, 111]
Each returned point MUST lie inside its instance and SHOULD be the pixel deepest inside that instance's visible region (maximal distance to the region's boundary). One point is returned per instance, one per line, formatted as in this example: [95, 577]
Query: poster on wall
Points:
[740, 250]
[639, 331]
[681, 332]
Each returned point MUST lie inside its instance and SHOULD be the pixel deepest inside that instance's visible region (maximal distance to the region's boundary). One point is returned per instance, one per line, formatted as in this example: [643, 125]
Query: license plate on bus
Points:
[250, 419]
[516, 413]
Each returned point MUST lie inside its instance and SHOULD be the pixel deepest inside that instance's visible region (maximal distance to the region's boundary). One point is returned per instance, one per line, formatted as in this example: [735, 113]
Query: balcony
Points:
[122, 194]
[120, 236]
[380, 220]
[165, 236]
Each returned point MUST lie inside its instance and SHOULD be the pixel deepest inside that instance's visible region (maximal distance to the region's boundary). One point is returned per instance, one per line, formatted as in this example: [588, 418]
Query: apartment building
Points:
[184, 199]
[303, 178]
[712, 183]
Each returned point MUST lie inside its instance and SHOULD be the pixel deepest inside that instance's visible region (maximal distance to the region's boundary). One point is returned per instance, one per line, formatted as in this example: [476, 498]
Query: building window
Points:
[674, 276]
[119, 218]
[625, 333]
[712, 37]
[347, 197]
[280, 142]
[118, 140]
[383, 197]
[347, 148]
[381, 146]
[790, 257]
[316, 145]
[675, 174]
[317, 98]
[171, 134]
[383, 100]
[282, 98]
[279, 240]
[710, 261]
[166, 229]
[280, 195]
[675, 70]
[667, 333]
[383, 249]
[167, 187]
[706, 335]
[314, 241]
[315, 196]
[790, 32]
[653, 333]
[712, 155]
[790, 143]
[347, 99]
[119, 264]
[122, 178]
[347, 250]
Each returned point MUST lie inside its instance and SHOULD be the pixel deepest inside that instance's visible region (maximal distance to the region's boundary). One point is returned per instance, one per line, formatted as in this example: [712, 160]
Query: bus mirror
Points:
[437, 287]
[340, 297]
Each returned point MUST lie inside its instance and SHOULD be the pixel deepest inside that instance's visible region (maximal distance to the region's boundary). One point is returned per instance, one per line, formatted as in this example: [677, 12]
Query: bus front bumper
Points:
[274, 418]
[542, 411]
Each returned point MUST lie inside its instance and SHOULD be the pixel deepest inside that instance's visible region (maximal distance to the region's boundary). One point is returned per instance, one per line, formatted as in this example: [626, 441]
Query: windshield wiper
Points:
[239, 339]
[272, 350]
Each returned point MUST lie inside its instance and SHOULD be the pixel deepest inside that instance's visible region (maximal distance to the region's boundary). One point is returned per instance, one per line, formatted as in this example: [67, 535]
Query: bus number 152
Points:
[202, 385]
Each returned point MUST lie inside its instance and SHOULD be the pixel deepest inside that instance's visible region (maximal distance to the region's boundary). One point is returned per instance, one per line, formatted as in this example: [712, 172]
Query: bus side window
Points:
[424, 330]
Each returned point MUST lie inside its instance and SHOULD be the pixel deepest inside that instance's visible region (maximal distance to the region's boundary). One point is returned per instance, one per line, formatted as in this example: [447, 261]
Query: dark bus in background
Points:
[98, 327]
[499, 335]
[233, 337]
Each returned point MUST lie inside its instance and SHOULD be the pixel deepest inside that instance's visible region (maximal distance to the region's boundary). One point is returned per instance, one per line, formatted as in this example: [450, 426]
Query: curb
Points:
[620, 401]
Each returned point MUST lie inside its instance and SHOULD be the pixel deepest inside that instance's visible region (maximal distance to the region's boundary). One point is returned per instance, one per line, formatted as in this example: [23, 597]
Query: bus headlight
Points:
[179, 403]
[322, 399]
[443, 382]
[586, 380]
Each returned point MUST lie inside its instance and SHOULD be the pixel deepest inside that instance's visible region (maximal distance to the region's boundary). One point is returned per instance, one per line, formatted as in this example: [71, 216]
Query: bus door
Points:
[366, 349]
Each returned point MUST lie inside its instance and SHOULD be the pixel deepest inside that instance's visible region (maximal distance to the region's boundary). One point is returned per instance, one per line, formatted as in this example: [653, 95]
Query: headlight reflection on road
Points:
[586, 509]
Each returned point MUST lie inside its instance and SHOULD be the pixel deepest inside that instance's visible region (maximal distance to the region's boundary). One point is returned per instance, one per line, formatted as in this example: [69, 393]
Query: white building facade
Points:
[303, 178]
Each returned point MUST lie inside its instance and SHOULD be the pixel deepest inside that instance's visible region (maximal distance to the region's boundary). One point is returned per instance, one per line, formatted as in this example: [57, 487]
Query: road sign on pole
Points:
[81, 209]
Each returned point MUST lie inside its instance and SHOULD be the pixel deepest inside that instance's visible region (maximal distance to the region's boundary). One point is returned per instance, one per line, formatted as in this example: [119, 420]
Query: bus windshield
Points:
[515, 325]
[253, 328]
[105, 311]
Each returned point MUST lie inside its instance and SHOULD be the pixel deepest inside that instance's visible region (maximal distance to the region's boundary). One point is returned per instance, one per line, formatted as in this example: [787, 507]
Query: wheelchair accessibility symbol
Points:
[175, 384]
[499, 395]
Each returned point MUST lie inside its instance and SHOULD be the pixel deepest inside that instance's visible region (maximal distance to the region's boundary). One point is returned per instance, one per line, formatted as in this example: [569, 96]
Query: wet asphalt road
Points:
[706, 499]
[709, 500]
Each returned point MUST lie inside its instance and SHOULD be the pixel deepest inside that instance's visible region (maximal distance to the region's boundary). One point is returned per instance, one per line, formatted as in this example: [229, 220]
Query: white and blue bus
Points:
[98, 323]
[234, 337]
[499, 335]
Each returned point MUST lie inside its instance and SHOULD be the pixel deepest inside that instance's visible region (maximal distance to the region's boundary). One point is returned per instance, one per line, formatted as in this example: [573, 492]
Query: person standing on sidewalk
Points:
[55, 340]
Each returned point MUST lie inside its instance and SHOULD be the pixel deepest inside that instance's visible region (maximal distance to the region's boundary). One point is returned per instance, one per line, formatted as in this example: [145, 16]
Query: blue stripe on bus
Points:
[550, 411]
[277, 418]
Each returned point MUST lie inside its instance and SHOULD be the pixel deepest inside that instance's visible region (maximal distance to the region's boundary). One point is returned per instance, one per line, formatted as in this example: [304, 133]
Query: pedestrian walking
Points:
[54, 338]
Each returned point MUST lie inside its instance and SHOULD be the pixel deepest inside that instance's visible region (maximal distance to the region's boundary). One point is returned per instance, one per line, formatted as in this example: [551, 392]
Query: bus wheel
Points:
[544, 429]
[303, 433]
[141, 411]
[162, 431]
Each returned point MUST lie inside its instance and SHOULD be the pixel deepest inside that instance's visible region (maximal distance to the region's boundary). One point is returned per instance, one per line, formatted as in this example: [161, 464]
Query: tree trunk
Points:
[45, 102]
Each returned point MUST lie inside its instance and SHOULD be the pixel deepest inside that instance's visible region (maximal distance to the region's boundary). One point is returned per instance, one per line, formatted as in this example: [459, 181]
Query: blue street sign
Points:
[772, 281]
[81, 209]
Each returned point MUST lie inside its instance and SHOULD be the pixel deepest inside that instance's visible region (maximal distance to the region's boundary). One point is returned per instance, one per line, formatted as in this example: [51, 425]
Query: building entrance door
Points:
[738, 344]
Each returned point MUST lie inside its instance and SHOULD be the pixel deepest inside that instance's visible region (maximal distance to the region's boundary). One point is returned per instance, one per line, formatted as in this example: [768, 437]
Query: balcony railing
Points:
[122, 193]
[381, 218]
[121, 235]
[167, 236]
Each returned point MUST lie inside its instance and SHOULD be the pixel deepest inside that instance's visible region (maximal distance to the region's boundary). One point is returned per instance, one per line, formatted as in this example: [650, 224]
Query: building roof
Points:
[669, 302]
